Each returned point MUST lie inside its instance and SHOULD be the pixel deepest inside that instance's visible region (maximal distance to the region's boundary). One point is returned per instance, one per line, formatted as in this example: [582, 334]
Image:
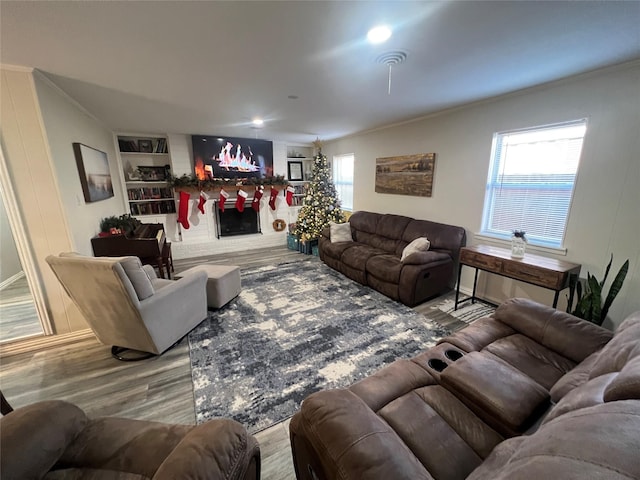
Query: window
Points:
[531, 181]
[343, 179]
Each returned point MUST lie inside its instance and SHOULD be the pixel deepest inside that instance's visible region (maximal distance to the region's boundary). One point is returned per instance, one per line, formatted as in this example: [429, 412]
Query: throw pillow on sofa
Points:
[340, 232]
[420, 244]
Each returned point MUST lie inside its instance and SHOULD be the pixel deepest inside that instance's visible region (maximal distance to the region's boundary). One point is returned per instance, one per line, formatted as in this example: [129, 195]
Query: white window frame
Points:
[338, 181]
[495, 186]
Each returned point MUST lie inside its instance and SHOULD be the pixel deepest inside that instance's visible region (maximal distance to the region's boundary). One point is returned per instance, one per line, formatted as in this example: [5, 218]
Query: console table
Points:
[533, 269]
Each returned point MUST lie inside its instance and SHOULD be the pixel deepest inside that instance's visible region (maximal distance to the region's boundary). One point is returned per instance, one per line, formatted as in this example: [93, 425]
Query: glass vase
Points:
[518, 246]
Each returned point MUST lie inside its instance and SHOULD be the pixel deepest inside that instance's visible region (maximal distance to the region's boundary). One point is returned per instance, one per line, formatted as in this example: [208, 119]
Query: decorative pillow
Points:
[420, 244]
[340, 232]
[139, 278]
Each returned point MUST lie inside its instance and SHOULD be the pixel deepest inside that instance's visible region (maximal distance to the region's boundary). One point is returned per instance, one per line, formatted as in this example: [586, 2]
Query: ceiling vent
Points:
[394, 57]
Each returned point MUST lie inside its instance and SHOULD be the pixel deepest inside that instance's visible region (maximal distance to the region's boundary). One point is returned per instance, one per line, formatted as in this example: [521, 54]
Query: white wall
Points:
[604, 216]
[66, 122]
[32, 175]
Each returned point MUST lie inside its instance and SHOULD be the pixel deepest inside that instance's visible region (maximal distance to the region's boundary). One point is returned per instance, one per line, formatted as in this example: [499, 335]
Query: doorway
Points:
[20, 317]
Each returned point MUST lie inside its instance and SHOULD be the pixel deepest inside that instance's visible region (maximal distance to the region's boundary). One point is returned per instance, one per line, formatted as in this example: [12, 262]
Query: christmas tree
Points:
[321, 204]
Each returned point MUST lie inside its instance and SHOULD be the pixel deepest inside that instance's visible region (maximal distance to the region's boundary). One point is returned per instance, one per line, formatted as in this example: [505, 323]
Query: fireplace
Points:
[233, 222]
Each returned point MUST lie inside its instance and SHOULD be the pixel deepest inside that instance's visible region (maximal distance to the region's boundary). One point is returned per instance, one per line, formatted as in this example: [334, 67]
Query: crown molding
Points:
[16, 68]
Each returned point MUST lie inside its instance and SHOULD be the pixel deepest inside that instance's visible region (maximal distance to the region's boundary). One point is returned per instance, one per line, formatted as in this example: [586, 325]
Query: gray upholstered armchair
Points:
[127, 305]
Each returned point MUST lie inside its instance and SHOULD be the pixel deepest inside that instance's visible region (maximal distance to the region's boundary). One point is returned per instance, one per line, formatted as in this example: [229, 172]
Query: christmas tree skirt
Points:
[295, 329]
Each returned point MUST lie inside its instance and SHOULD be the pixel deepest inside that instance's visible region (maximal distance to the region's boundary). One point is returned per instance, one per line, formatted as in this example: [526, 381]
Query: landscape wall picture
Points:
[406, 174]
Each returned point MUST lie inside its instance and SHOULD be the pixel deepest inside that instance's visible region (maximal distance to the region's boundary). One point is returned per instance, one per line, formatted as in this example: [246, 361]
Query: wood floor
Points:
[158, 389]
[18, 314]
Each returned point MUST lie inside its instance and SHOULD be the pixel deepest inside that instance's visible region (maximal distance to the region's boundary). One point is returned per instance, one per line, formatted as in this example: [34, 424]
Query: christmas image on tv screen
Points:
[231, 157]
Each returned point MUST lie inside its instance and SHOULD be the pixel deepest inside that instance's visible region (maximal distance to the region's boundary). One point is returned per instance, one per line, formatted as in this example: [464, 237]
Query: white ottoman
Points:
[223, 284]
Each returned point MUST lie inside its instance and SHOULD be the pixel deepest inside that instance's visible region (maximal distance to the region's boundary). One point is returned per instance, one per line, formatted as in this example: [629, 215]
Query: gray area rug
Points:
[296, 329]
[467, 312]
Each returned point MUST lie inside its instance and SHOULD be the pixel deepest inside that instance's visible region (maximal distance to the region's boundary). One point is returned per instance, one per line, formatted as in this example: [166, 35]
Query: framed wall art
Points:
[93, 167]
[295, 171]
[406, 174]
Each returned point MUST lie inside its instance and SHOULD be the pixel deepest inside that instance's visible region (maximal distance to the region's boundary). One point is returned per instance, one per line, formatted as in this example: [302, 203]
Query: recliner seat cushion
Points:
[335, 250]
[538, 362]
[596, 442]
[385, 267]
[358, 255]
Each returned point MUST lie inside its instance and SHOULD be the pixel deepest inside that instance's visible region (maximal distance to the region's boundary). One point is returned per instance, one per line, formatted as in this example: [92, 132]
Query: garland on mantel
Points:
[191, 182]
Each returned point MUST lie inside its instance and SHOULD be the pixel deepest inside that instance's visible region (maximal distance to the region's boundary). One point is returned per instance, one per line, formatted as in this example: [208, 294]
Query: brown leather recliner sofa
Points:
[55, 440]
[373, 258]
[529, 392]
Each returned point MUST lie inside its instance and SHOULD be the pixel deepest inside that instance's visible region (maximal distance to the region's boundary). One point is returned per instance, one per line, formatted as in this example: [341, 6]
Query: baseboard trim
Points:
[43, 342]
[11, 279]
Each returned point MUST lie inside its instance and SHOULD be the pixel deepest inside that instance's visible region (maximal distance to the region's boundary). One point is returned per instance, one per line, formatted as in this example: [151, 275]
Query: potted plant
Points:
[589, 304]
[518, 243]
[109, 226]
[124, 224]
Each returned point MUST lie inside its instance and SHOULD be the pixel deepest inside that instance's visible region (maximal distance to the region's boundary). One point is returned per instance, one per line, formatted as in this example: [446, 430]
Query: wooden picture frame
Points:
[406, 174]
[145, 146]
[95, 176]
[294, 169]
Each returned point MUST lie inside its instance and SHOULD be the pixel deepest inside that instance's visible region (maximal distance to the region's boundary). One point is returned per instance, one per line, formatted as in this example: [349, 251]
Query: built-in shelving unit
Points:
[146, 166]
[299, 168]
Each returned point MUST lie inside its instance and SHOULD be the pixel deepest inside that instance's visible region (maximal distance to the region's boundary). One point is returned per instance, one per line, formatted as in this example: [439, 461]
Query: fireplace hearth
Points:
[232, 222]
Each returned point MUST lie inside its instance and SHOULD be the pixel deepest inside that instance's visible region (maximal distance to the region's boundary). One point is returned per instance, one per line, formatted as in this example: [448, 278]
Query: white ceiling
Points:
[210, 67]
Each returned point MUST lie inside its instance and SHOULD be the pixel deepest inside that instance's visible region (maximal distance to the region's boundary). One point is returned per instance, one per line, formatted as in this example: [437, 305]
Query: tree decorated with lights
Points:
[321, 204]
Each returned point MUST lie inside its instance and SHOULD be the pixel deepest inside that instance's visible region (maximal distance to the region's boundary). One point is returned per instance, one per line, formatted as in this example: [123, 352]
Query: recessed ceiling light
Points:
[258, 122]
[293, 97]
[379, 34]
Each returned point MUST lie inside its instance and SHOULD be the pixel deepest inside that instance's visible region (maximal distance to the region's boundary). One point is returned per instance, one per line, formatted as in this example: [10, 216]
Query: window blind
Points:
[531, 181]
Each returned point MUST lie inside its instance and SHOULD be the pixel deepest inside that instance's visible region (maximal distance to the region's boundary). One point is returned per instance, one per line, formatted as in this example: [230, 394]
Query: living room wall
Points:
[604, 215]
[66, 122]
[33, 177]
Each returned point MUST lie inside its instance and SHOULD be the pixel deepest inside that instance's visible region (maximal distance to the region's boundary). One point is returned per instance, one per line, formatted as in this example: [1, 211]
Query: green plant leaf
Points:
[596, 298]
[606, 272]
[615, 288]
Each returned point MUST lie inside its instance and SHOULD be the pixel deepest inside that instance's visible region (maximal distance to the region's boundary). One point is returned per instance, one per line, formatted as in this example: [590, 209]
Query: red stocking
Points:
[255, 204]
[273, 198]
[223, 197]
[242, 197]
[183, 210]
[289, 195]
[202, 201]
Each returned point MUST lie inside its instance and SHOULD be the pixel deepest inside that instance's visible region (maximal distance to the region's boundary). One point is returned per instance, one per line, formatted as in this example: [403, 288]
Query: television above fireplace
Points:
[231, 157]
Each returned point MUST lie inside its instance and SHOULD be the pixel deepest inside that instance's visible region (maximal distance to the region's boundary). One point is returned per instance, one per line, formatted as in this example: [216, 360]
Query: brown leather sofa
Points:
[373, 258]
[530, 392]
[56, 440]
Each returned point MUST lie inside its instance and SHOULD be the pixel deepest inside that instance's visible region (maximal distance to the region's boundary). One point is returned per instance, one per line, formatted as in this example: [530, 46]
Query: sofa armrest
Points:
[215, 449]
[121, 444]
[33, 438]
[336, 435]
[220, 448]
[561, 332]
[326, 232]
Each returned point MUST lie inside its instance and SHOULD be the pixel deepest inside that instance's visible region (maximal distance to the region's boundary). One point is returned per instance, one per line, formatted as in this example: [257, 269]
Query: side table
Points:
[533, 269]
